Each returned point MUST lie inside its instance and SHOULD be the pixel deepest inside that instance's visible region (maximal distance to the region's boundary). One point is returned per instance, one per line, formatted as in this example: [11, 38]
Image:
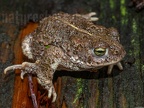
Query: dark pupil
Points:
[99, 52]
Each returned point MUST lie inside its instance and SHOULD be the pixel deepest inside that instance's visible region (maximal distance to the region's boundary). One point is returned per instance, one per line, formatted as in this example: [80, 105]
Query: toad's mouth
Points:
[110, 64]
[104, 62]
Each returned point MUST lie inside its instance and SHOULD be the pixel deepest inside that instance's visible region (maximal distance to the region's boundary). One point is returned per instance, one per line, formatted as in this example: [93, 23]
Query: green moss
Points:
[113, 17]
[134, 26]
[111, 2]
[79, 89]
[135, 43]
[123, 7]
[123, 11]
[142, 67]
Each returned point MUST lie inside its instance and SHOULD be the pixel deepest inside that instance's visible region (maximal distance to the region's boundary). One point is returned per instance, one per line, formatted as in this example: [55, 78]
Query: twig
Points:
[33, 96]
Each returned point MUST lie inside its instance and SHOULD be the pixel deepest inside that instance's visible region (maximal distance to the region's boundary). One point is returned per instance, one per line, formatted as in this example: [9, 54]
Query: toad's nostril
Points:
[116, 52]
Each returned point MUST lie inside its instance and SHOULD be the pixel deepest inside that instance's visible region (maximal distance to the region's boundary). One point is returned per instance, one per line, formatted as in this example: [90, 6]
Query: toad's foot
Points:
[110, 67]
[90, 16]
[139, 4]
[51, 92]
[26, 67]
[48, 85]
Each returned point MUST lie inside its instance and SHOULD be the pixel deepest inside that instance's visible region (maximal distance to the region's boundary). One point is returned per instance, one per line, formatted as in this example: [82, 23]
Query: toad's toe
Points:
[51, 93]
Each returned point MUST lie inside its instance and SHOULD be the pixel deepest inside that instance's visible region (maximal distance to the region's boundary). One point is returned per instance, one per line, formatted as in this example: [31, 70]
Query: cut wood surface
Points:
[21, 88]
[121, 89]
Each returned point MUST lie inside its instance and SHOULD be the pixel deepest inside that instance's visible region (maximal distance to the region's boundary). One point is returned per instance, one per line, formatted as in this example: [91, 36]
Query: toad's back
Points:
[60, 28]
[64, 25]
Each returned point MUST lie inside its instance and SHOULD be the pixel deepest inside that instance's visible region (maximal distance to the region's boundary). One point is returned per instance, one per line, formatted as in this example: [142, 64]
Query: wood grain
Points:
[21, 97]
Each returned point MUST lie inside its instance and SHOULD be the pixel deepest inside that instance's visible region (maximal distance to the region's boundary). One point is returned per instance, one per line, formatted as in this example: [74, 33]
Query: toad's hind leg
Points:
[45, 79]
[43, 71]
[90, 16]
[44, 74]
[49, 63]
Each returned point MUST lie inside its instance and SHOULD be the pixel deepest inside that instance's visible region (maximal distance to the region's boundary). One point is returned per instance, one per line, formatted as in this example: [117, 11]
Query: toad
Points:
[69, 42]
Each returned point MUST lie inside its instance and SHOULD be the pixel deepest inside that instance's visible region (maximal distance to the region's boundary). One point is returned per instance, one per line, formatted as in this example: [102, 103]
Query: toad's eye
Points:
[100, 51]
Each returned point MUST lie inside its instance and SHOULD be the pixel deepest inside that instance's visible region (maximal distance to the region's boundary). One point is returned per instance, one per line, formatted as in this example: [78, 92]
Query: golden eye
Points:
[99, 51]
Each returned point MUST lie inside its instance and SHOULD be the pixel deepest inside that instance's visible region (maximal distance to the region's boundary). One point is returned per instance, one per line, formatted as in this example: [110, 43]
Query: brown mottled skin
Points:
[69, 42]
